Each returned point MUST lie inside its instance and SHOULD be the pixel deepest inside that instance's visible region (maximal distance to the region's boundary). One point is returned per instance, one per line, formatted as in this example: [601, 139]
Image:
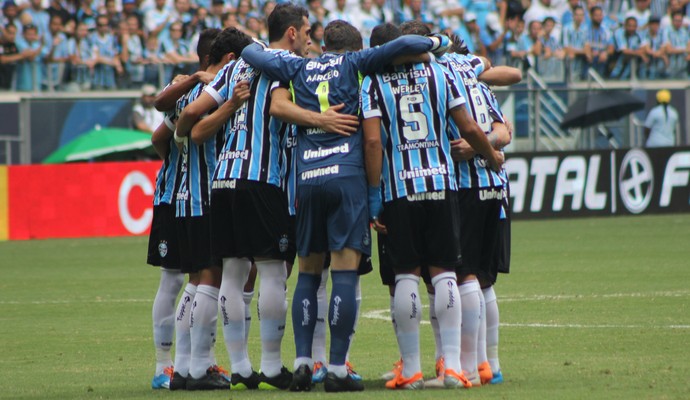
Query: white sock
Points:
[318, 346]
[247, 297]
[492, 328]
[434, 325]
[183, 342]
[408, 314]
[358, 300]
[469, 294]
[235, 273]
[449, 314]
[481, 338]
[203, 329]
[163, 315]
[273, 275]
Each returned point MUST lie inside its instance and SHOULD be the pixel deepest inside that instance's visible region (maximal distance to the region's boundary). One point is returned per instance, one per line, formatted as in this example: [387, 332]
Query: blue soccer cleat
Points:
[162, 381]
[498, 378]
[320, 372]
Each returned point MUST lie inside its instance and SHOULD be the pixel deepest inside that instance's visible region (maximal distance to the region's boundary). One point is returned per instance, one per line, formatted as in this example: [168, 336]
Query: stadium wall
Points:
[80, 200]
[599, 183]
[115, 199]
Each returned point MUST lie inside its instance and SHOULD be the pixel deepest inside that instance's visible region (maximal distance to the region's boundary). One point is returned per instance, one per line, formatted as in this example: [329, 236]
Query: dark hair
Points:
[230, 40]
[628, 19]
[548, 19]
[594, 8]
[577, 7]
[459, 46]
[341, 36]
[206, 37]
[384, 33]
[314, 27]
[673, 14]
[54, 16]
[414, 27]
[284, 16]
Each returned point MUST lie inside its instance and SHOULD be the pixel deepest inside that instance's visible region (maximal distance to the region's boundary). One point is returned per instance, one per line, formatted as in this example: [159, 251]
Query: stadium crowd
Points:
[120, 44]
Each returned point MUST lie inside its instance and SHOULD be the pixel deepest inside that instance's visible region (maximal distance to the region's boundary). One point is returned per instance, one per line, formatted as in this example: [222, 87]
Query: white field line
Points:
[384, 314]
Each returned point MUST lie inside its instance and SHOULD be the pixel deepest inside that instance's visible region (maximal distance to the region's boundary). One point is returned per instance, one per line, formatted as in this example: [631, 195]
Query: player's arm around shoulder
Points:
[474, 135]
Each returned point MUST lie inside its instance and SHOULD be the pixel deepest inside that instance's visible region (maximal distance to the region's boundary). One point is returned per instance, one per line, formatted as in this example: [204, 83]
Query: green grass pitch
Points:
[593, 309]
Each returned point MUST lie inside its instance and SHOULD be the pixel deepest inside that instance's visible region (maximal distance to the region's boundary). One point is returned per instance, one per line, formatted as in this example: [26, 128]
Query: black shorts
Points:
[364, 267]
[504, 234]
[163, 248]
[194, 236]
[423, 231]
[251, 220]
[386, 271]
[479, 239]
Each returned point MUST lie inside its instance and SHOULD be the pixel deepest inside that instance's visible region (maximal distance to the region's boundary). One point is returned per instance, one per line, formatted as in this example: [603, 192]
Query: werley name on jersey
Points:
[403, 89]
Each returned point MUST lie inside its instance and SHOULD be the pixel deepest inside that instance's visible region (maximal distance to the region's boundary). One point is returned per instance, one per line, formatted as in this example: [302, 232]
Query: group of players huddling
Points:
[269, 155]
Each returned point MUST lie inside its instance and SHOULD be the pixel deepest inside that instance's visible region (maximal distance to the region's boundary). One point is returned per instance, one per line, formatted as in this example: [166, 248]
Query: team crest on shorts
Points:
[163, 248]
[366, 239]
[283, 244]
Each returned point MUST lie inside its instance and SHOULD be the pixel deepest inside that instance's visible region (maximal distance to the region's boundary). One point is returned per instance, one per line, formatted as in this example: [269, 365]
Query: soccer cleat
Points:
[498, 378]
[347, 384]
[485, 375]
[397, 367]
[351, 371]
[222, 371]
[412, 383]
[178, 382]
[474, 378]
[452, 379]
[437, 382]
[281, 381]
[320, 372]
[162, 381]
[211, 381]
[239, 382]
[301, 379]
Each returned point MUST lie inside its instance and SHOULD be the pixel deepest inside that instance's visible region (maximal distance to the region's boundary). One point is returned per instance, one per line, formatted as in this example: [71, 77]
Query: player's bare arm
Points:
[193, 112]
[475, 137]
[283, 108]
[501, 76]
[207, 127]
[161, 140]
[373, 160]
[166, 99]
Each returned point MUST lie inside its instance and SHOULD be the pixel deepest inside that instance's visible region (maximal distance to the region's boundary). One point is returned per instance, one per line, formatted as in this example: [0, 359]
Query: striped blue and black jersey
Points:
[323, 82]
[288, 167]
[165, 180]
[495, 105]
[252, 137]
[413, 102]
[197, 163]
[466, 68]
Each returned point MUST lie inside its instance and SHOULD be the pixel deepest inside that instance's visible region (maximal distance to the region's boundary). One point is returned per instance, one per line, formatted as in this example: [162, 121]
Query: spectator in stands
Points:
[152, 59]
[39, 18]
[244, 7]
[529, 45]
[415, 11]
[516, 28]
[113, 15]
[87, 13]
[9, 56]
[58, 7]
[661, 123]
[342, 13]
[317, 12]
[449, 13]
[183, 13]
[82, 57]
[132, 54]
[365, 20]
[130, 9]
[316, 45]
[33, 52]
[667, 19]
[640, 12]
[653, 44]
[598, 42]
[627, 49]
[567, 17]
[105, 49]
[145, 117]
[574, 40]
[541, 9]
[494, 39]
[551, 62]
[176, 52]
[677, 46]
[158, 19]
[382, 11]
[474, 40]
[58, 55]
[10, 15]
[256, 27]
[216, 14]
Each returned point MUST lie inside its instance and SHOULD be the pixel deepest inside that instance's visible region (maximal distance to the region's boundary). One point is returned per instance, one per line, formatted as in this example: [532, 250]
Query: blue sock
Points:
[304, 311]
[342, 313]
